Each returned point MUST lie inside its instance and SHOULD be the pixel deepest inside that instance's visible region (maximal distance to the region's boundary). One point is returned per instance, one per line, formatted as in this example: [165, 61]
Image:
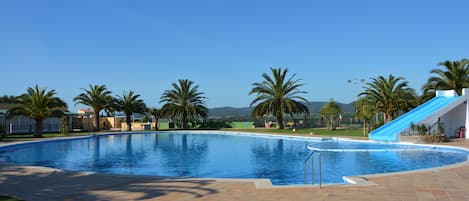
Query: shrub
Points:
[377, 124]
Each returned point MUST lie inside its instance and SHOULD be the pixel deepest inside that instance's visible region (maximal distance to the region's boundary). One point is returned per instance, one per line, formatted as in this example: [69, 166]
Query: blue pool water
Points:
[213, 155]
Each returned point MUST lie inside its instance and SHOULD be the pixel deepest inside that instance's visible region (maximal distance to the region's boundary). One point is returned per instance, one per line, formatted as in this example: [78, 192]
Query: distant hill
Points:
[314, 107]
[229, 112]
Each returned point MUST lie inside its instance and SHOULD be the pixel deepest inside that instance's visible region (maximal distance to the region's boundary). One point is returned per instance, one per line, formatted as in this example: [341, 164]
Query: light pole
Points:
[357, 82]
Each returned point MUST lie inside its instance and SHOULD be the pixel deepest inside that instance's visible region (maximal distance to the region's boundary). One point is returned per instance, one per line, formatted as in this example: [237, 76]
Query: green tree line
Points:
[278, 94]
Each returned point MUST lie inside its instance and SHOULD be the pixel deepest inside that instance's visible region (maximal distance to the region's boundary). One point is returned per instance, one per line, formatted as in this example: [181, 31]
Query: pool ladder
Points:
[311, 156]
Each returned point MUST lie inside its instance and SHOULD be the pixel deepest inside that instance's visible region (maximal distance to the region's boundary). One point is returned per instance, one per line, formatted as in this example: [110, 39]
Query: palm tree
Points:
[184, 102]
[455, 76]
[278, 95]
[157, 113]
[330, 110]
[408, 100]
[388, 94]
[98, 98]
[39, 104]
[130, 103]
[365, 110]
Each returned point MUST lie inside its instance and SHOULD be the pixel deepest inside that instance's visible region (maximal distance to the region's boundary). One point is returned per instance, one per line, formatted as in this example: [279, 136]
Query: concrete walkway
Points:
[33, 183]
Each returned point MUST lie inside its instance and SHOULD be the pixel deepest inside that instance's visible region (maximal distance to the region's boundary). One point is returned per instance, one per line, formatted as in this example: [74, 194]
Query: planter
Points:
[430, 138]
[435, 138]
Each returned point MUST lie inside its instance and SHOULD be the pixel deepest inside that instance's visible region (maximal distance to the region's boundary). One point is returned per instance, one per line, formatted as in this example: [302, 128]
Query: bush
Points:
[214, 124]
[377, 124]
[421, 129]
[436, 138]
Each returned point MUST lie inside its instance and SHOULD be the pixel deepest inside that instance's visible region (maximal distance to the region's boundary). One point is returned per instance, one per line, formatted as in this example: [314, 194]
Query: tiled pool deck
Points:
[32, 183]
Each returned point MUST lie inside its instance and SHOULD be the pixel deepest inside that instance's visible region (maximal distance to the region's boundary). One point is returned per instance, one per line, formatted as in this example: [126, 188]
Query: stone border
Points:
[259, 183]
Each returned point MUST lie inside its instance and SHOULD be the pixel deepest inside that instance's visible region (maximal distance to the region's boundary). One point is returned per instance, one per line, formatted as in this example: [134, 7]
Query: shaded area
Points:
[32, 183]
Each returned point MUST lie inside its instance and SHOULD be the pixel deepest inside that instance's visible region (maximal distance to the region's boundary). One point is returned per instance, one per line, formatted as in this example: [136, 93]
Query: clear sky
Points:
[224, 46]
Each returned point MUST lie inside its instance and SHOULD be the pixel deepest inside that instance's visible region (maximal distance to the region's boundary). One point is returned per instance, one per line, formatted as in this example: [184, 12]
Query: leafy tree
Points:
[184, 102]
[455, 75]
[98, 98]
[390, 95]
[278, 95]
[130, 103]
[157, 114]
[8, 99]
[330, 110]
[38, 104]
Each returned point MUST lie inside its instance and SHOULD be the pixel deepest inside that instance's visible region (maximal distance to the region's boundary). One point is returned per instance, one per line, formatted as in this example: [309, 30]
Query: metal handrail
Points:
[312, 167]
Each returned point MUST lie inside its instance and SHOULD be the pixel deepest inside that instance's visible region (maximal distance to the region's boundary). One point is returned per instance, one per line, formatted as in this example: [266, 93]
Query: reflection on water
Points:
[278, 159]
[223, 156]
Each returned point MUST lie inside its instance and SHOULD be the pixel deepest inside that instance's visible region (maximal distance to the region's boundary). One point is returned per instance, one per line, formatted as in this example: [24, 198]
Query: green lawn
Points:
[29, 137]
[241, 126]
[306, 131]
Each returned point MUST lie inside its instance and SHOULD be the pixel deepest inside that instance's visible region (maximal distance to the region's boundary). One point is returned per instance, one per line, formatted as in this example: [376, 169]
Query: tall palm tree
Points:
[157, 113]
[388, 94]
[130, 103]
[455, 75]
[408, 100]
[278, 96]
[39, 104]
[184, 102]
[98, 98]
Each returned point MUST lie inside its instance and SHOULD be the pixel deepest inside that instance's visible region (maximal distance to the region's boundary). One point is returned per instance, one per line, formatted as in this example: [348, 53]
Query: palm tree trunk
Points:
[96, 122]
[38, 130]
[129, 124]
[184, 121]
[388, 117]
[156, 124]
[279, 120]
[364, 127]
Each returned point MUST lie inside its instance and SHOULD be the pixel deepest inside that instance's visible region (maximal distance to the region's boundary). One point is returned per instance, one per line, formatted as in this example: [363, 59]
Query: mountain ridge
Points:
[314, 107]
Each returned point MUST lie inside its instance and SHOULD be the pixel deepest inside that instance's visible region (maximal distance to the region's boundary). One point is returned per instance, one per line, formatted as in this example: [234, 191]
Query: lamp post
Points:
[357, 82]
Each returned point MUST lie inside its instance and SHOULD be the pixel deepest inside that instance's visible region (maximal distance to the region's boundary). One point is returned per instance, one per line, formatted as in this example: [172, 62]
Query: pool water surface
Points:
[227, 155]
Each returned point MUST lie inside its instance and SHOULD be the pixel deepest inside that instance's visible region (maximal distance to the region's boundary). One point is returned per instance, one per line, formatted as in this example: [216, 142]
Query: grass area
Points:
[241, 124]
[355, 132]
[163, 125]
[243, 127]
[7, 198]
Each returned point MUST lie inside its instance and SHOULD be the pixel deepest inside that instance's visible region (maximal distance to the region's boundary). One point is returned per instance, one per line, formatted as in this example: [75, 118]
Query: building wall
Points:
[22, 124]
[138, 126]
[454, 120]
[81, 123]
[86, 123]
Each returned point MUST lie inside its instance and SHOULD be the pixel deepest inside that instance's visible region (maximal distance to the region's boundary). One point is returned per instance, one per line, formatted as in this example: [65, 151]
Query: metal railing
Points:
[311, 156]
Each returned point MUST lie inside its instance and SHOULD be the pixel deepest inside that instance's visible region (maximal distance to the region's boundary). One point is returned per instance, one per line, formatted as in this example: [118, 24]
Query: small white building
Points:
[447, 110]
[454, 117]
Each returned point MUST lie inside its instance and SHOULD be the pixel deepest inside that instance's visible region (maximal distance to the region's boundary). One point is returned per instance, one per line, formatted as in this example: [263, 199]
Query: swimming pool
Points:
[227, 155]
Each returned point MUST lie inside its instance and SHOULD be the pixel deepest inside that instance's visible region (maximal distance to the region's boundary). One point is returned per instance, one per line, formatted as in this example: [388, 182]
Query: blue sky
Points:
[224, 46]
